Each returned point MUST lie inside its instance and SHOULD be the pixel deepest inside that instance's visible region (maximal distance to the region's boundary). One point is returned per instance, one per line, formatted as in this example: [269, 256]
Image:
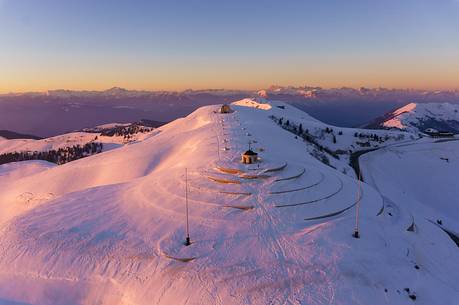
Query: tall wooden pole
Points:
[187, 240]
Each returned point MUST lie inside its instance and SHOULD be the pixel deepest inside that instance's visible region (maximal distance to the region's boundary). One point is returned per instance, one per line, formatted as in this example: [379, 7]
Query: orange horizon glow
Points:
[412, 79]
[385, 71]
[184, 88]
[434, 85]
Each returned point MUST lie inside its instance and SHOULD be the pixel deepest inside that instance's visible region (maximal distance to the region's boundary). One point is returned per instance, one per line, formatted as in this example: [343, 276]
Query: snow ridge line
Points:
[340, 188]
[337, 212]
[322, 177]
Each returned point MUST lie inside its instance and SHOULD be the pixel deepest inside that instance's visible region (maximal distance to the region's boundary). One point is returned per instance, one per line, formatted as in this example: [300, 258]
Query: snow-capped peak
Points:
[407, 108]
[259, 103]
[417, 117]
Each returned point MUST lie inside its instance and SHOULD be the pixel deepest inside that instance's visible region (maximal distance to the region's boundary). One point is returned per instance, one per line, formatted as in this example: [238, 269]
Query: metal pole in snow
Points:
[218, 141]
[218, 147]
[187, 240]
[356, 229]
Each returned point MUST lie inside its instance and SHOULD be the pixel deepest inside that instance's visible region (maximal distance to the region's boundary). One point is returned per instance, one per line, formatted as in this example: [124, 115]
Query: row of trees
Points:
[125, 131]
[305, 135]
[299, 129]
[59, 156]
[372, 136]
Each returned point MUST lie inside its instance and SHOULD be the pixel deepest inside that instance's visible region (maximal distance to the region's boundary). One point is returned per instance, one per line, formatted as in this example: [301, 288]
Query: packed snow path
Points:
[114, 229]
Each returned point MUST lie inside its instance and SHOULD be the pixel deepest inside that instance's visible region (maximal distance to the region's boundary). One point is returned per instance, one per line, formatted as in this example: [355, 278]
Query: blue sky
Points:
[80, 44]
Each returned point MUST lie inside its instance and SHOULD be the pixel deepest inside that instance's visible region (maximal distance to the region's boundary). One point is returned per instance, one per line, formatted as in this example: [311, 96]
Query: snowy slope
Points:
[331, 144]
[53, 143]
[416, 117]
[68, 140]
[421, 177]
[108, 229]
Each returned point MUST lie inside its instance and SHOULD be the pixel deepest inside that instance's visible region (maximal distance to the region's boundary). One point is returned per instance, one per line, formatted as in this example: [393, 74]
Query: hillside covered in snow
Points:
[72, 146]
[415, 117]
[110, 228]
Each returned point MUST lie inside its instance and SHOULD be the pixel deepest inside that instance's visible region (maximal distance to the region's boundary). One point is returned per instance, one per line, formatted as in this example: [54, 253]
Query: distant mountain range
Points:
[312, 93]
[273, 93]
[59, 111]
[417, 117]
[8, 134]
[117, 92]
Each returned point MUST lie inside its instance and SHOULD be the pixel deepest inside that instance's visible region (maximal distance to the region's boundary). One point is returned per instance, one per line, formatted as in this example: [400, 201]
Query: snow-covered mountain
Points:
[109, 228]
[75, 145]
[416, 117]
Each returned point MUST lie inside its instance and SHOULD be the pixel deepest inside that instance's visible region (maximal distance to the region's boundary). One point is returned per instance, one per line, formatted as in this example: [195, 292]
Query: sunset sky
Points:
[175, 45]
